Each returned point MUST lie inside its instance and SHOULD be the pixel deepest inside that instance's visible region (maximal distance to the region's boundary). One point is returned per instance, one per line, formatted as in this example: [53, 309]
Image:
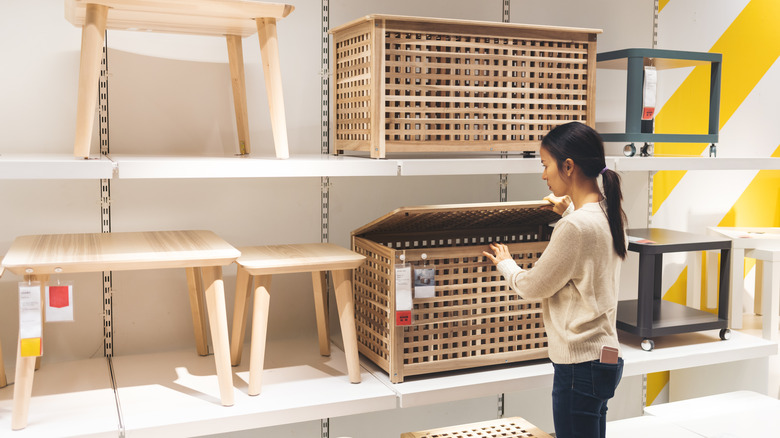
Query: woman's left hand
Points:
[501, 253]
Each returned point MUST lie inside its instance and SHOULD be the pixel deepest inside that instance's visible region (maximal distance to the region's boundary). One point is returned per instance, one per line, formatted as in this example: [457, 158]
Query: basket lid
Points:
[460, 217]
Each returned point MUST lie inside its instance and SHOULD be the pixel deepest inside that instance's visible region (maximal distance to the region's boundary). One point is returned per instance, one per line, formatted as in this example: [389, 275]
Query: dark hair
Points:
[584, 146]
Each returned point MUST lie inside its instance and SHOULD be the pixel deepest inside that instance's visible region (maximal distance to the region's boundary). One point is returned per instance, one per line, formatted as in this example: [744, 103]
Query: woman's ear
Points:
[568, 166]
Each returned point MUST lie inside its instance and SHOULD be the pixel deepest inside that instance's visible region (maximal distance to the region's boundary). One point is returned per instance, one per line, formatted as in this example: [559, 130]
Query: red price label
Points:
[403, 317]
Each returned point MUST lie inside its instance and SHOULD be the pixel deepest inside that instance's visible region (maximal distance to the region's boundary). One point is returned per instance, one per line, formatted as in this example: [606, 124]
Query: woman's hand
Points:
[559, 204]
[501, 253]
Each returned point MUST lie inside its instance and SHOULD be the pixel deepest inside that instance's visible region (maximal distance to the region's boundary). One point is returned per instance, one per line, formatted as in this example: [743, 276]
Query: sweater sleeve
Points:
[552, 271]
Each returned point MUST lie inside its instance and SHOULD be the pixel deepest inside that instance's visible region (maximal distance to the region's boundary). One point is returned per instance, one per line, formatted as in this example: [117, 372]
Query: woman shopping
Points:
[577, 278]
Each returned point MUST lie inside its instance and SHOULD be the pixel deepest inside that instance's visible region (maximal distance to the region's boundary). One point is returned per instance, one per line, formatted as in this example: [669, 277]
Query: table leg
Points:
[737, 280]
[758, 298]
[770, 285]
[240, 313]
[259, 332]
[25, 372]
[269, 51]
[236, 60]
[92, 37]
[215, 304]
[342, 283]
[321, 310]
[3, 380]
[195, 286]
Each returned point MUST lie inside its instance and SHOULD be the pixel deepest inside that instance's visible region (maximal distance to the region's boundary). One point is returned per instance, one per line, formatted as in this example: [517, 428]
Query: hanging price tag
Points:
[649, 93]
[59, 302]
[403, 295]
[424, 282]
[30, 319]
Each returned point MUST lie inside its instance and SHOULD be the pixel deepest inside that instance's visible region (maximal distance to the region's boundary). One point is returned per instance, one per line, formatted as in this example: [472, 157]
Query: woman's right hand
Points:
[559, 204]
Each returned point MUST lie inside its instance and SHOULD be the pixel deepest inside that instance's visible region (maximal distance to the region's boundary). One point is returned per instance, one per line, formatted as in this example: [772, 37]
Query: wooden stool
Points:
[259, 263]
[233, 19]
[503, 427]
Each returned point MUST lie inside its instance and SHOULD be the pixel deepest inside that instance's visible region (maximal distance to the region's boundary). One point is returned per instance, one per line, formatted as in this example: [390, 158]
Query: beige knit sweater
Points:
[577, 280]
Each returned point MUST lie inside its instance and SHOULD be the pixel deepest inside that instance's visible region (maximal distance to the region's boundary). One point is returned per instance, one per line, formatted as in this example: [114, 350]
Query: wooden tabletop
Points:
[307, 257]
[93, 252]
[198, 17]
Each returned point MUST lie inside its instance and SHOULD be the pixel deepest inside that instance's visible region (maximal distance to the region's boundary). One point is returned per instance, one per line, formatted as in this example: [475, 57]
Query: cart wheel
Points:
[629, 150]
[713, 150]
[725, 334]
[647, 344]
[646, 151]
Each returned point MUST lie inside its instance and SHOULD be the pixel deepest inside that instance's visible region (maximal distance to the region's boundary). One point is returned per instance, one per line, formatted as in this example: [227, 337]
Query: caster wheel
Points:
[713, 150]
[647, 344]
[646, 151]
[629, 150]
[725, 334]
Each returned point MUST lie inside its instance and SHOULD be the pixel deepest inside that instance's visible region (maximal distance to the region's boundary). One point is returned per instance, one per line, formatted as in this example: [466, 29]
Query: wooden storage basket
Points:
[410, 84]
[500, 428]
[474, 318]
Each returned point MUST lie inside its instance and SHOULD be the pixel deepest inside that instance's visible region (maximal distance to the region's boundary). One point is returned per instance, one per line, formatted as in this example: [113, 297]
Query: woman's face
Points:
[555, 180]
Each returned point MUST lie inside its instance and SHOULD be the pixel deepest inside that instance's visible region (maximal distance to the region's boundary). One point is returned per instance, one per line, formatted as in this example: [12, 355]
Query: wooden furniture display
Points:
[475, 319]
[500, 428]
[762, 244]
[634, 61]
[649, 315]
[257, 264]
[201, 253]
[233, 19]
[412, 84]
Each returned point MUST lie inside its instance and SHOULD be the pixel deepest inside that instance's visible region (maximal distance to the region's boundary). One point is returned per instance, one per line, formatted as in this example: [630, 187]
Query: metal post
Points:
[503, 178]
[105, 201]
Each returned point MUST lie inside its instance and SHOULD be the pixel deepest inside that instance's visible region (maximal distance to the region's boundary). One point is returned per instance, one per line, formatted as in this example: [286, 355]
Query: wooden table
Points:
[201, 253]
[259, 263]
[233, 19]
[762, 244]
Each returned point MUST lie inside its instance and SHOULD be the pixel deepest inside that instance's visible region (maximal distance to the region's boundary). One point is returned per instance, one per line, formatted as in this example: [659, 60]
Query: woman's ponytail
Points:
[615, 214]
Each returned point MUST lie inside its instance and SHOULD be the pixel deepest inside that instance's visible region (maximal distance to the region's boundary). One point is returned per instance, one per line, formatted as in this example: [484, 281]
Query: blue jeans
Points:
[580, 394]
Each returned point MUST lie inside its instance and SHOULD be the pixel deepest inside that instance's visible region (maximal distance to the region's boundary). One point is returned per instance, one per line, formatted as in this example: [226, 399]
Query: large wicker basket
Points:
[410, 84]
[474, 318]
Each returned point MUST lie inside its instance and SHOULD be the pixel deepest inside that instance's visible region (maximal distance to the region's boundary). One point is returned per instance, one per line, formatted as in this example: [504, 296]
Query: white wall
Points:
[170, 95]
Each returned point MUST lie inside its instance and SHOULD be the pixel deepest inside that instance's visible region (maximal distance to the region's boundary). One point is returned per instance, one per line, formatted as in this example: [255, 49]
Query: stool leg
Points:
[269, 51]
[758, 299]
[195, 286]
[92, 37]
[3, 380]
[236, 59]
[770, 283]
[259, 332]
[321, 310]
[342, 283]
[25, 373]
[240, 313]
[215, 304]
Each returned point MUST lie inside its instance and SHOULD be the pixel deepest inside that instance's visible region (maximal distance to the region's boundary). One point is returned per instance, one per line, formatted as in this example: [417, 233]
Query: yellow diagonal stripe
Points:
[661, 4]
[750, 45]
[759, 204]
[655, 384]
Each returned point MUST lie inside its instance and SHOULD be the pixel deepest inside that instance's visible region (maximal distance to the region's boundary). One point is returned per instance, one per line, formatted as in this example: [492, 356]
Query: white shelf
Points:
[671, 352]
[176, 393]
[628, 164]
[62, 166]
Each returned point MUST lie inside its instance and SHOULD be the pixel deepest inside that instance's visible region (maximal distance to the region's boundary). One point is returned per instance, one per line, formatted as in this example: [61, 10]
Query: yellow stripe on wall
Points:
[759, 204]
[750, 46]
[661, 4]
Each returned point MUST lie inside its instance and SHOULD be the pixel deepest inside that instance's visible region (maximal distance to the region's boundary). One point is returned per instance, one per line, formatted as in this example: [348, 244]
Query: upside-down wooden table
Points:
[233, 19]
[202, 253]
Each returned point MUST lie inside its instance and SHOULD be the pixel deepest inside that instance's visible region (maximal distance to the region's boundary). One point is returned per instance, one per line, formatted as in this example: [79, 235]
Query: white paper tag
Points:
[424, 282]
[59, 302]
[403, 295]
[649, 93]
[30, 319]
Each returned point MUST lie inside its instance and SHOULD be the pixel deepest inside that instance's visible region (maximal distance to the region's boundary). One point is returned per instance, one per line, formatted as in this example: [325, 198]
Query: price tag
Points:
[649, 93]
[403, 295]
[30, 319]
[424, 283]
[59, 302]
